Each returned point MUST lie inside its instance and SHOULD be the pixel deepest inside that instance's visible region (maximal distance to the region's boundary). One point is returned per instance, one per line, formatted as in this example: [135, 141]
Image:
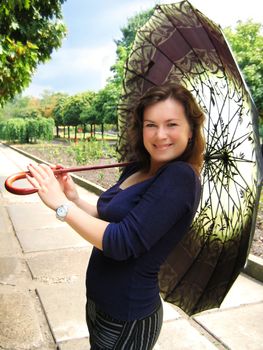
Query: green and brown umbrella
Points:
[180, 44]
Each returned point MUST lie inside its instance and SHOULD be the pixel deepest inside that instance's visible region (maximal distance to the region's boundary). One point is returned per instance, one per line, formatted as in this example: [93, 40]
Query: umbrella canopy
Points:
[179, 44]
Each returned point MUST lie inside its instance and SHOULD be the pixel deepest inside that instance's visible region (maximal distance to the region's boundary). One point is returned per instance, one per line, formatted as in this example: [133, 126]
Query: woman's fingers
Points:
[37, 172]
[33, 181]
[47, 170]
[41, 173]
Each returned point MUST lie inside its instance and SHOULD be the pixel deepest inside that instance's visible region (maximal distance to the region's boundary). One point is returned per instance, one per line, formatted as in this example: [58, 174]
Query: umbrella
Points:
[180, 44]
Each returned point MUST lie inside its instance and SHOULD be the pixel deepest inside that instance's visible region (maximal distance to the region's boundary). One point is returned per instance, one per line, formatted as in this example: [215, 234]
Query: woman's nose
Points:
[161, 132]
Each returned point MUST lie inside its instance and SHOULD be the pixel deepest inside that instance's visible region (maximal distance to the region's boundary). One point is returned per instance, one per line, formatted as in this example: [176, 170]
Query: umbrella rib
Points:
[204, 201]
[138, 75]
[236, 127]
[218, 193]
[244, 137]
[238, 193]
[241, 176]
[236, 183]
[229, 121]
[242, 160]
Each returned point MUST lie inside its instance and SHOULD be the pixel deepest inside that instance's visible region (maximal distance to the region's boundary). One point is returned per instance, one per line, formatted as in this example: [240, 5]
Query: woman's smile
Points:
[162, 147]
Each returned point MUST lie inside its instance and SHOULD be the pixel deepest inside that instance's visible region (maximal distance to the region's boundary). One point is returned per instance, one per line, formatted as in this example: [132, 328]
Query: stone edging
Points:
[88, 185]
[254, 267]
[254, 264]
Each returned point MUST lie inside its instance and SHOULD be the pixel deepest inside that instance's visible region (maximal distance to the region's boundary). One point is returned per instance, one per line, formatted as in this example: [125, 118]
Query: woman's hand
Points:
[49, 189]
[67, 185]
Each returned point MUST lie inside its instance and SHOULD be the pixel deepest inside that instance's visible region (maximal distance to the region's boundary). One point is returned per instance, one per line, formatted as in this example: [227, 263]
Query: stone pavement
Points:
[42, 289]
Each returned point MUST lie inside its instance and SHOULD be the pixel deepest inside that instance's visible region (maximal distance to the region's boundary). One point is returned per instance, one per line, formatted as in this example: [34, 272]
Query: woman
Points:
[139, 220]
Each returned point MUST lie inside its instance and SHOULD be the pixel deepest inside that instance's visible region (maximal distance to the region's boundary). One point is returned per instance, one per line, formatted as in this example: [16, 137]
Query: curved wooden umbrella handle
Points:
[22, 175]
[18, 190]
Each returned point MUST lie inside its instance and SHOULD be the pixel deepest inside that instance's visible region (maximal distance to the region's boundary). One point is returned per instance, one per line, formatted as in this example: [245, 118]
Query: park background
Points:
[59, 97]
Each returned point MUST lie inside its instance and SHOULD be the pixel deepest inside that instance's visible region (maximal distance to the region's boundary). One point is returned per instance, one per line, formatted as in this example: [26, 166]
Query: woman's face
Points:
[166, 131]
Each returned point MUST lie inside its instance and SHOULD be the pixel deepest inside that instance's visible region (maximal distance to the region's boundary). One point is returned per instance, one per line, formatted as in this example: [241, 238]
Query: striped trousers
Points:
[108, 333]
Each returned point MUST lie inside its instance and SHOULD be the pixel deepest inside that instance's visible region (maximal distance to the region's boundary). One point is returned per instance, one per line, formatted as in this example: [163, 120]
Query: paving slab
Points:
[238, 328]
[76, 344]
[170, 312]
[60, 266]
[8, 241]
[181, 335]
[19, 325]
[37, 229]
[245, 290]
[32, 216]
[10, 268]
[49, 238]
[64, 306]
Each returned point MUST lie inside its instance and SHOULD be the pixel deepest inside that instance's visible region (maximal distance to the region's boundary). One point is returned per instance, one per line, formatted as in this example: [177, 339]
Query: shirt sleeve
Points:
[165, 202]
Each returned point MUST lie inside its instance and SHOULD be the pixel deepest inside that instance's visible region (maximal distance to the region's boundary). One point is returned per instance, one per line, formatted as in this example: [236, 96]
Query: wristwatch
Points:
[62, 211]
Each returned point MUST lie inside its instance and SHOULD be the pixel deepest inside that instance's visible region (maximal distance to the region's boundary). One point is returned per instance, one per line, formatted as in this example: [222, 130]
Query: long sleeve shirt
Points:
[146, 221]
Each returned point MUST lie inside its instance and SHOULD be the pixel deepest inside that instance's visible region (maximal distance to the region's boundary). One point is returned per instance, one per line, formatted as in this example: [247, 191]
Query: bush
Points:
[27, 130]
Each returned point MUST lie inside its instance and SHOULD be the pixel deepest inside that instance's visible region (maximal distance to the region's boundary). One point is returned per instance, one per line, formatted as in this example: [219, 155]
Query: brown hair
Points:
[134, 149]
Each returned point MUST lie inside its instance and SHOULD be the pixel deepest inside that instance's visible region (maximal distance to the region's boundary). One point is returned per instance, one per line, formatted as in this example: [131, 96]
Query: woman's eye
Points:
[150, 125]
[171, 125]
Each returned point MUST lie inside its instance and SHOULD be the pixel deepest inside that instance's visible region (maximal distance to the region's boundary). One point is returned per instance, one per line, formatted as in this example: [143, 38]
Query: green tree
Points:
[89, 116]
[58, 112]
[74, 106]
[246, 41]
[104, 107]
[29, 31]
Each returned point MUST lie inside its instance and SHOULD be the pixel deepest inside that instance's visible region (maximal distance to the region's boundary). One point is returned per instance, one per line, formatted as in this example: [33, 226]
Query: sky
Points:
[83, 61]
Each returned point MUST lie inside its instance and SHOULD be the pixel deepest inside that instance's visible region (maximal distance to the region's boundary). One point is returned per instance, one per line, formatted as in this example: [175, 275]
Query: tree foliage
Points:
[29, 31]
[246, 41]
[103, 108]
[74, 106]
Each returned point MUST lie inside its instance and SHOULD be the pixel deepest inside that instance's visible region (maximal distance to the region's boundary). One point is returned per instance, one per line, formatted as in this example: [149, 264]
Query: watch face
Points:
[61, 211]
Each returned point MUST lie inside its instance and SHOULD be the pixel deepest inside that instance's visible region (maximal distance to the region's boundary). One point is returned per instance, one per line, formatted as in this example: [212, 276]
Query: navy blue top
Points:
[146, 221]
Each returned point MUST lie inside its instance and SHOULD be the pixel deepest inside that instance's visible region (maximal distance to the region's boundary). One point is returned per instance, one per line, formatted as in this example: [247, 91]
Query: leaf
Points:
[31, 46]
[27, 4]
[14, 25]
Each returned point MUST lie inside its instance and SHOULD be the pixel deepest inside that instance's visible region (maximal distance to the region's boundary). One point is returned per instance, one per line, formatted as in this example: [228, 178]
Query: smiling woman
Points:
[138, 221]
